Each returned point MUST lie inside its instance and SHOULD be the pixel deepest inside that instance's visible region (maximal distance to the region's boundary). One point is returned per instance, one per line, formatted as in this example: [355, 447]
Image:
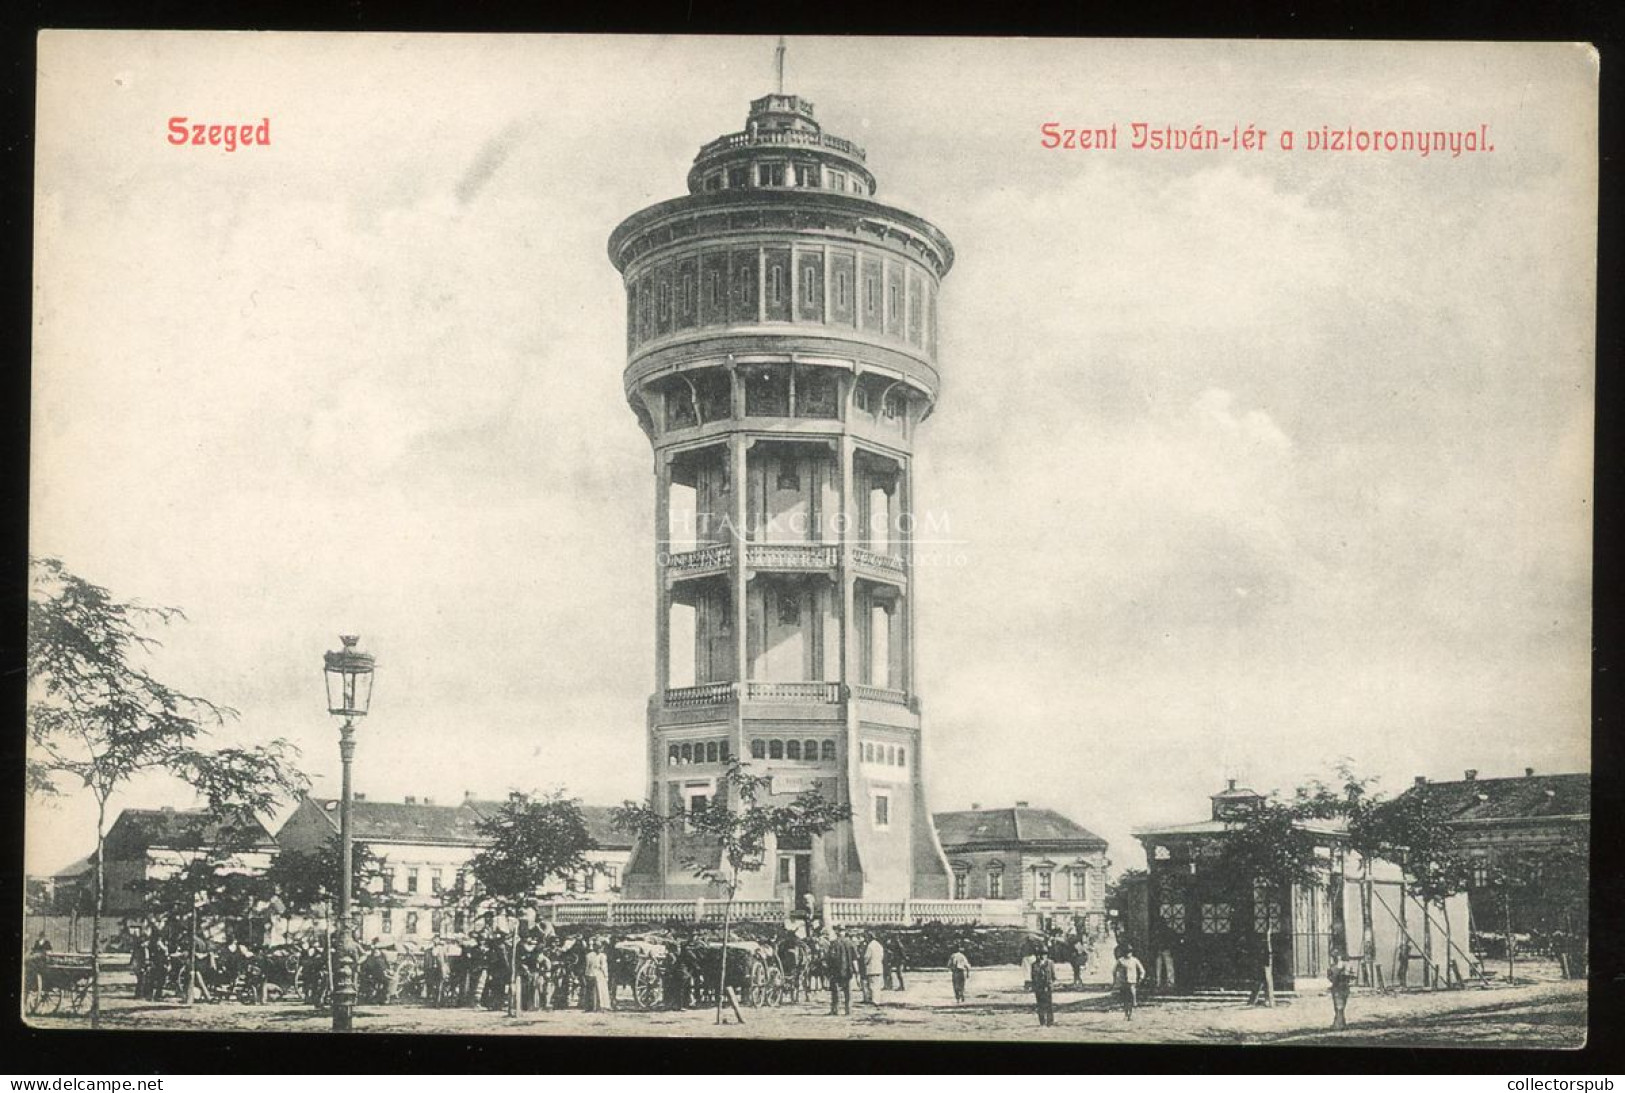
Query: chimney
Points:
[359, 796]
[468, 795]
[411, 800]
[1470, 774]
[1023, 804]
[1421, 780]
[974, 806]
[428, 800]
[1229, 784]
[1528, 772]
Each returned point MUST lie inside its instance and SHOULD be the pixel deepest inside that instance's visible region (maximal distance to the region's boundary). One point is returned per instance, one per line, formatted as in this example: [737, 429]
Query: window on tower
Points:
[792, 750]
[775, 285]
[843, 289]
[828, 751]
[775, 749]
[809, 750]
[758, 749]
[738, 178]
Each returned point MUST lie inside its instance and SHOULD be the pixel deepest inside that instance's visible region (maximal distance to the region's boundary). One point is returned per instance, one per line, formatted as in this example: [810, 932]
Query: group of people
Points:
[165, 962]
[878, 965]
[1127, 973]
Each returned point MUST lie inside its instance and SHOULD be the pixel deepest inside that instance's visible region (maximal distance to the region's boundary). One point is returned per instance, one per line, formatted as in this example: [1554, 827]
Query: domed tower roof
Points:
[783, 124]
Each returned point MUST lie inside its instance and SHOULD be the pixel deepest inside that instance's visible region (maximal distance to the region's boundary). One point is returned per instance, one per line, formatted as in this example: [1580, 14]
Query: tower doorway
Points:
[794, 878]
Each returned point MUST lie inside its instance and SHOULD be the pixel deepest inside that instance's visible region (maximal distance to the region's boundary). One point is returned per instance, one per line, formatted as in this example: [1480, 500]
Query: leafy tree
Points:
[1412, 829]
[37, 896]
[1353, 800]
[1545, 890]
[307, 881]
[530, 840]
[737, 825]
[97, 717]
[1270, 847]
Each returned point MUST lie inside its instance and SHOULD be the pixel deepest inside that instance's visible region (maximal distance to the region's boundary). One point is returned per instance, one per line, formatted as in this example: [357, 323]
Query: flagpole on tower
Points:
[778, 62]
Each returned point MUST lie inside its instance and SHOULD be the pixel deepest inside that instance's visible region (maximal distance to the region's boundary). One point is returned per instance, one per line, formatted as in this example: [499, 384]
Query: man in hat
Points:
[1043, 981]
[840, 964]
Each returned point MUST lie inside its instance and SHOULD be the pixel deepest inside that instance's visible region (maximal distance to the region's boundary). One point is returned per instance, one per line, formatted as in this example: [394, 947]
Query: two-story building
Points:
[425, 849]
[1057, 868]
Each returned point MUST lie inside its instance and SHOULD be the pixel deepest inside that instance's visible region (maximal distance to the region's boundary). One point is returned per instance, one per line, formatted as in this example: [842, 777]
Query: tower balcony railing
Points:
[703, 694]
[879, 694]
[783, 136]
[790, 555]
[808, 691]
[873, 559]
[704, 560]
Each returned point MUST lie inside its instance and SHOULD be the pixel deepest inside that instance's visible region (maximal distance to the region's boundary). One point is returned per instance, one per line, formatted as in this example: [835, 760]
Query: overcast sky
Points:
[1259, 459]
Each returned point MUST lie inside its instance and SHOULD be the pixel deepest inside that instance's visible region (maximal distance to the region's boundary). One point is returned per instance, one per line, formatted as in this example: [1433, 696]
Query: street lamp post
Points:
[349, 692]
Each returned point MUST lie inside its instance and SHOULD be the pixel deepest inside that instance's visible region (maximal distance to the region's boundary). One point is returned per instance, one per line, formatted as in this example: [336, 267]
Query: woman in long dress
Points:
[600, 976]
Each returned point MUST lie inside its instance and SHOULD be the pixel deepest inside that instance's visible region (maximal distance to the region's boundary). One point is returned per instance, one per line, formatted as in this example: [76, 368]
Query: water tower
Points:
[781, 343]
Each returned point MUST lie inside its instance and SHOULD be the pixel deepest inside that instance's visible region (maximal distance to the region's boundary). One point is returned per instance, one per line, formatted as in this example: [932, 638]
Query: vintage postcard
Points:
[829, 538]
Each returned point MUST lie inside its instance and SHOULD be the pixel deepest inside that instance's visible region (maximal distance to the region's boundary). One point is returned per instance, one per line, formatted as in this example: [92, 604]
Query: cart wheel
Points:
[648, 988]
[51, 1000]
[775, 986]
[756, 989]
[81, 991]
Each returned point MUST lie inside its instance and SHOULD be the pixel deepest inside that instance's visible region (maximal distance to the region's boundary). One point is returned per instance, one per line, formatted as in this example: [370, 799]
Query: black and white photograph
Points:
[812, 538]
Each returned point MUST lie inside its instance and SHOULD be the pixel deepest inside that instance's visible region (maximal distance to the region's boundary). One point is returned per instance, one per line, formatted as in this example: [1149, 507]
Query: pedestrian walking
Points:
[959, 969]
[1127, 974]
[1043, 979]
[840, 964]
[874, 969]
[897, 961]
[1080, 959]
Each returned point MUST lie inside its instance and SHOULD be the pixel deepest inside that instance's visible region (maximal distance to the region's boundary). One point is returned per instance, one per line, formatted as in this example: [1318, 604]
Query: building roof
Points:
[447, 825]
[1218, 827]
[75, 869]
[401, 822]
[1532, 797]
[1008, 827]
[138, 829]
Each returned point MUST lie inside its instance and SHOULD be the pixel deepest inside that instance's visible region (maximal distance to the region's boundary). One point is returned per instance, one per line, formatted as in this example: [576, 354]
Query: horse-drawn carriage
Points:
[642, 963]
[754, 971]
[55, 981]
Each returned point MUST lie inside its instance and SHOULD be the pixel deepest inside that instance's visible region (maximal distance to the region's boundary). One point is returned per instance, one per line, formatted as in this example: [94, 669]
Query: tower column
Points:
[662, 587]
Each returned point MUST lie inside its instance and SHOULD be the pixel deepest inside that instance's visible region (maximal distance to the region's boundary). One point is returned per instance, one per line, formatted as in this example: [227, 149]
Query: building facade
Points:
[425, 849]
[1058, 869]
[781, 342]
[154, 844]
[1205, 928]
